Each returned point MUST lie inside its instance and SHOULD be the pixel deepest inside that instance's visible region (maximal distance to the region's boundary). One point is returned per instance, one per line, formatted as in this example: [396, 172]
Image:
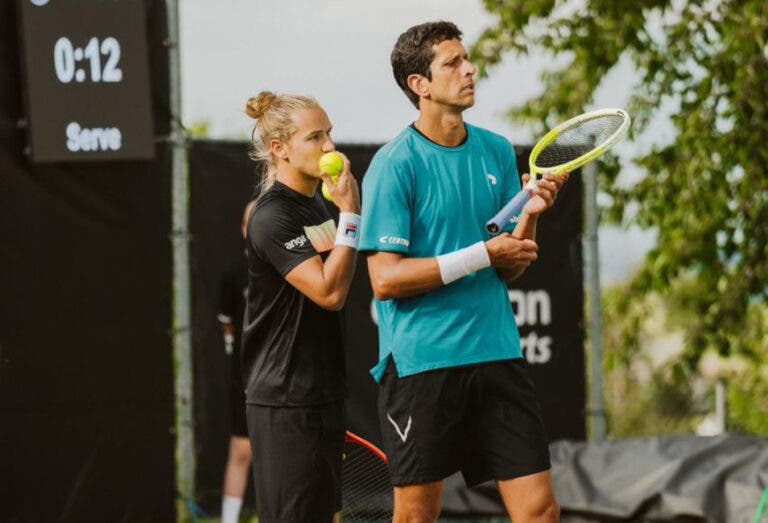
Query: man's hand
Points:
[548, 187]
[345, 193]
[509, 253]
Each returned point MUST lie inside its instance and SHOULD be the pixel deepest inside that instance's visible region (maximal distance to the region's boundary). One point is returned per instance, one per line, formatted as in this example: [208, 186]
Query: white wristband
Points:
[348, 232]
[458, 264]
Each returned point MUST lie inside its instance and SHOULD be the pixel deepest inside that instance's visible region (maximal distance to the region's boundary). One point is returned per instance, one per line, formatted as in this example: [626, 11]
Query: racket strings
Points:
[365, 486]
[579, 140]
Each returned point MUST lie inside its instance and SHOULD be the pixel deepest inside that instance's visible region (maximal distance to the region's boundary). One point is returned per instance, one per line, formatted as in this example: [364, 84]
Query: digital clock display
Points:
[87, 79]
[66, 57]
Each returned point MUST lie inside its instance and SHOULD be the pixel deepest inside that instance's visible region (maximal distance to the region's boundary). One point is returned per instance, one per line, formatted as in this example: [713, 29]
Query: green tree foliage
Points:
[706, 191]
[199, 129]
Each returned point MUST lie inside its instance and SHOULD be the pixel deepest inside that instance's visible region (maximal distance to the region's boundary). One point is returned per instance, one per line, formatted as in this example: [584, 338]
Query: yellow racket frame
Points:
[585, 158]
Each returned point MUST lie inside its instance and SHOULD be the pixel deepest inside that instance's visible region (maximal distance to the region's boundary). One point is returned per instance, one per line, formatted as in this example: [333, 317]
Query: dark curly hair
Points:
[413, 52]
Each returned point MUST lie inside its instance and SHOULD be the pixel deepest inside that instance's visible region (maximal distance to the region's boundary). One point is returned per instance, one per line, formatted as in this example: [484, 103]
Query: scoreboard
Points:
[87, 88]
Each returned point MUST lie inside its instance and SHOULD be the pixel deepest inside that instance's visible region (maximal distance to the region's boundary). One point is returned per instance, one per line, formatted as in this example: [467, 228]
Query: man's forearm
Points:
[526, 227]
[403, 277]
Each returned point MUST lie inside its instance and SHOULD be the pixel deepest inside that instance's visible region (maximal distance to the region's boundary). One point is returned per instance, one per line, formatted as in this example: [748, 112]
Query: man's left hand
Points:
[548, 188]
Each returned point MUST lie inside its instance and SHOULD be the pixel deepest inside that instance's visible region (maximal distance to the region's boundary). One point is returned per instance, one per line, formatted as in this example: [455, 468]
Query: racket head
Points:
[578, 141]
[366, 490]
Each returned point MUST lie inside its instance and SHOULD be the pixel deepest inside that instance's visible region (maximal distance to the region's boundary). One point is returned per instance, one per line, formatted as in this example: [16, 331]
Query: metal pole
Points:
[721, 407]
[182, 338]
[592, 276]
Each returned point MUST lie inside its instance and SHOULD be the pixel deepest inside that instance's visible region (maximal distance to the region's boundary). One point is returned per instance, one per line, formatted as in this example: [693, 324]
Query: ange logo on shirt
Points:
[298, 241]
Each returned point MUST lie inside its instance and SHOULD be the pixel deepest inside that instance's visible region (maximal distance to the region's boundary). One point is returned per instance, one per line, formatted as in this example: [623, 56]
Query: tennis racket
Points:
[366, 492]
[568, 146]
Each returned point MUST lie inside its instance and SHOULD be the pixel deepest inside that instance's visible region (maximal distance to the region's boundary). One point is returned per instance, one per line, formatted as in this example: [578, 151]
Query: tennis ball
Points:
[331, 164]
[326, 192]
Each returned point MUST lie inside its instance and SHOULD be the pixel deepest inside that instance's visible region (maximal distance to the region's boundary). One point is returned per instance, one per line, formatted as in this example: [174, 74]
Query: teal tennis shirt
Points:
[423, 200]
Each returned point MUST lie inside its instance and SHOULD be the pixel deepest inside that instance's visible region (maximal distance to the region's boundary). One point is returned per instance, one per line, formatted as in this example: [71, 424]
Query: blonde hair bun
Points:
[256, 107]
[274, 115]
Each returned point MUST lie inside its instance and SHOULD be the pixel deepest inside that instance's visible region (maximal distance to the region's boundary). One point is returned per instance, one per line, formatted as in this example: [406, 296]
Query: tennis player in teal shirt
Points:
[455, 394]
[420, 208]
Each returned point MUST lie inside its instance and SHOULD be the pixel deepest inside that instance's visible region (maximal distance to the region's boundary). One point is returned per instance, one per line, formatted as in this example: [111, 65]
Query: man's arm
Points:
[525, 229]
[394, 275]
[327, 284]
[549, 186]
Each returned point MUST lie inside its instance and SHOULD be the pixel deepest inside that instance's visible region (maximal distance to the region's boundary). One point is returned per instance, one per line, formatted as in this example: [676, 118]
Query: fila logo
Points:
[402, 433]
[394, 240]
[299, 241]
[492, 178]
[350, 230]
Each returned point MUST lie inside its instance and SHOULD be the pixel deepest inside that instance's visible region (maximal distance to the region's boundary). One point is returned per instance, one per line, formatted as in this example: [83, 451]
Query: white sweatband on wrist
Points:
[458, 264]
[348, 233]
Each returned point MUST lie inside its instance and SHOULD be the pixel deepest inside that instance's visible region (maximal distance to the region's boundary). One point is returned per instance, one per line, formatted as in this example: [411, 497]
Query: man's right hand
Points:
[509, 253]
[345, 192]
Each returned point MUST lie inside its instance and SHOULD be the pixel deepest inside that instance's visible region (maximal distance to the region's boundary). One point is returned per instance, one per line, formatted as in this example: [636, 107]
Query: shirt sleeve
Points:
[386, 218]
[278, 238]
[512, 184]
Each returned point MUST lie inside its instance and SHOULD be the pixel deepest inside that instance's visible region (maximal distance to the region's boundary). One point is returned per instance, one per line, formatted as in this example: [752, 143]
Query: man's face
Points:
[452, 74]
[311, 140]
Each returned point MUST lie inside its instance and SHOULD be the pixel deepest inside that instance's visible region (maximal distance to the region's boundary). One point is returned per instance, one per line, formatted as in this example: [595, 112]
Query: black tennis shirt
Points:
[292, 348]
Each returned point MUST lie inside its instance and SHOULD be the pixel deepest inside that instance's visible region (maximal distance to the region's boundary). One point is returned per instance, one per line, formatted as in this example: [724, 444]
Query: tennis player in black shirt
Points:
[300, 268]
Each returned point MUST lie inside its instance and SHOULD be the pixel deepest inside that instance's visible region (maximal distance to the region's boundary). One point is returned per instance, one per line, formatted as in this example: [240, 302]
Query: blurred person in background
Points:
[234, 287]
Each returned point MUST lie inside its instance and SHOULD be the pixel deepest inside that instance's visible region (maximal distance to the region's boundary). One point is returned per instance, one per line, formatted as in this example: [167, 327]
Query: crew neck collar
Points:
[439, 146]
[280, 186]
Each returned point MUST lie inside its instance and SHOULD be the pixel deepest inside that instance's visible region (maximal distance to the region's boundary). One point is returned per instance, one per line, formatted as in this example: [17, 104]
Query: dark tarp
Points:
[669, 478]
[86, 376]
[221, 183]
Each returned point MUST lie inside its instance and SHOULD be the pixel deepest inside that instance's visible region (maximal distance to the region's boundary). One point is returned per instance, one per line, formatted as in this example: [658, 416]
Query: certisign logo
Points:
[394, 240]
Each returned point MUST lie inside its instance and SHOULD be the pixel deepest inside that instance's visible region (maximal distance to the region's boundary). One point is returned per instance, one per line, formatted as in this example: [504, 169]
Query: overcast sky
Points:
[335, 50]
[338, 51]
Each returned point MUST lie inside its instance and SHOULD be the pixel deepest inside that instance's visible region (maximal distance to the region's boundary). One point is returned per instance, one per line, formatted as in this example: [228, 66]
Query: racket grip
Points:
[514, 206]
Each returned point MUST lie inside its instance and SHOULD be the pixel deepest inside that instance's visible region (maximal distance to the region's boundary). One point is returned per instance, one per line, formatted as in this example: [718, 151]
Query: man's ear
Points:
[419, 84]
[278, 149]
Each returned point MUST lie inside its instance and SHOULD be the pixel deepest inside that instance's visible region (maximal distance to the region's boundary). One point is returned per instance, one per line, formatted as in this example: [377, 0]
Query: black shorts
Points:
[297, 453]
[237, 424]
[483, 420]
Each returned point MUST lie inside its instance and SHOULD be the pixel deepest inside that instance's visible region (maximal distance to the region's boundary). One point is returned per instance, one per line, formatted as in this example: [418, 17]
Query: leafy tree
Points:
[199, 129]
[706, 191]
